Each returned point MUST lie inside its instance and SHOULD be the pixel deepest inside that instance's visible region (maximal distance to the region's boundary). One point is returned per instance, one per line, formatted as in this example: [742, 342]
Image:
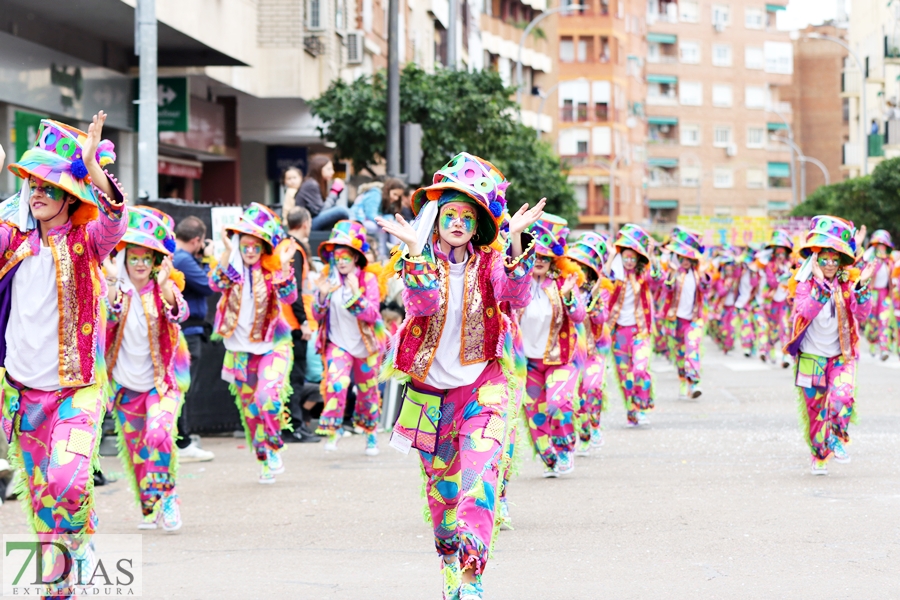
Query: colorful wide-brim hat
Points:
[590, 250]
[634, 237]
[781, 239]
[261, 222]
[349, 234]
[57, 159]
[881, 236]
[164, 217]
[833, 233]
[550, 233]
[685, 242]
[147, 230]
[468, 177]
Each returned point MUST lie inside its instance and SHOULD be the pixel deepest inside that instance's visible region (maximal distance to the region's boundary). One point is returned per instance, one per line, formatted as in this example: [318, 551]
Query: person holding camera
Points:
[192, 257]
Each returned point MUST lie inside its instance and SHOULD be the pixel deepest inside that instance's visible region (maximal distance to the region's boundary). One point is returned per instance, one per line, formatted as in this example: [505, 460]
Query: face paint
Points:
[824, 262]
[342, 255]
[51, 191]
[458, 212]
[251, 248]
[142, 259]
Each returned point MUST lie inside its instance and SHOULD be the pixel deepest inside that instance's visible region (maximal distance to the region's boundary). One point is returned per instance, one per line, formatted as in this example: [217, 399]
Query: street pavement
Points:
[713, 499]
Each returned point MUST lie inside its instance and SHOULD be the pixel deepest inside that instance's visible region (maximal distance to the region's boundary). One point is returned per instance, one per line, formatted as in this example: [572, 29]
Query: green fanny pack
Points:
[417, 425]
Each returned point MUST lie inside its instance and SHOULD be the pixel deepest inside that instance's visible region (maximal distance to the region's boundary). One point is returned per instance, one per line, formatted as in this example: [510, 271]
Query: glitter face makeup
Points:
[51, 191]
[458, 212]
[343, 255]
[251, 248]
[145, 259]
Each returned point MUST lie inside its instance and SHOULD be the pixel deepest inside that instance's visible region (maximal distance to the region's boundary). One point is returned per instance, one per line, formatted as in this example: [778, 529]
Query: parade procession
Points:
[449, 344]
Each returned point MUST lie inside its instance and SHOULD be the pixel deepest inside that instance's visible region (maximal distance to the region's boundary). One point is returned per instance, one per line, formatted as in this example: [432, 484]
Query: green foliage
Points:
[460, 111]
[873, 200]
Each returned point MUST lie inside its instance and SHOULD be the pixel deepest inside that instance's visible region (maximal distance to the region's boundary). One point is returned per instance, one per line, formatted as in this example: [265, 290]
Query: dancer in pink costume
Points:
[775, 276]
[882, 325]
[831, 300]
[724, 295]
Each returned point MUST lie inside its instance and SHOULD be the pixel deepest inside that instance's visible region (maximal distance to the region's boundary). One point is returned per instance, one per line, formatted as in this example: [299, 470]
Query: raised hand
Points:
[226, 240]
[165, 270]
[817, 270]
[324, 286]
[403, 231]
[569, 284]
[353, 282]
[860, 235]
[867, 273]
[525, 217]
[89, 155]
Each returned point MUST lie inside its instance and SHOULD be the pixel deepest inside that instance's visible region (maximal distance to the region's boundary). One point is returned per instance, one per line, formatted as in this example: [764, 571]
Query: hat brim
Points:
[326, 250]
[244, 228]
[817, 245]
[629, 243]
[684, 251]
[65, 182]
[137, 238]
[584, 260]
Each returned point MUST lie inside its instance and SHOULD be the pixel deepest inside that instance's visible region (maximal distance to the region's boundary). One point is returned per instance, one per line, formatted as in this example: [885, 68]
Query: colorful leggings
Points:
[880, 325]
[632, 353]
[260, 403]
[462, 474]
[550, 391]
[688, 335]
[145, 423]
[725, 328]
[753, 327]
[827, 404]
[339, 366]
[513, 418]
[591, 405]
[662, 338]
[776, 335]
[54, 440]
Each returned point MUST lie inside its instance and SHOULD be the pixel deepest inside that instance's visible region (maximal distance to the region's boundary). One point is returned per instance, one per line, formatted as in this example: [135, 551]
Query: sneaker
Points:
[550, 472]
[747, 354]
[505, 521]
[566, 463]
[371, 444]
[819, 467]
[470, 591]
[596, 438]
[583, 448]
[643, 418]
[300, 435]
[632, 424]
[194, 453]
[837, 447]
[265, 475]
[276, 465]
[171, 514]
[151, 519]
[452, 579]
[885, 356]
[331, 441]
[696, 392]
[683, 389]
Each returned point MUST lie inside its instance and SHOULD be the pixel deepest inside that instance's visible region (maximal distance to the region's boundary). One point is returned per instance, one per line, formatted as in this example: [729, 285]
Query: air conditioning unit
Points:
[719, 27]
[731, 150]
[355, 41]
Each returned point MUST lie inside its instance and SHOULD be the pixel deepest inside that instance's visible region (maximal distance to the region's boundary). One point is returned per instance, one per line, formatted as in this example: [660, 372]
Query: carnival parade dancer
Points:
[831, 299]
[752, 326]
[255, 276]
[631, 319]
[550, 343]
[594, 343]
[67, 218]
[148, 361]
[351, 334]
[882, 325]
[684, 308]
[725, 292]
[774, 278]
[451, 350]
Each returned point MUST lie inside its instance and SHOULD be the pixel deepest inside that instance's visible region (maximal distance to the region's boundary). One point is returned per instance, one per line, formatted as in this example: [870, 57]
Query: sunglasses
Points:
[251, 248]
[144, 259]
[629, 259]
[824, 262]
[543, 259]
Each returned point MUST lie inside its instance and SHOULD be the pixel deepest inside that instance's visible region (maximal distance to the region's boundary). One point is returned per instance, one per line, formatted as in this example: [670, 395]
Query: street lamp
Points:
[525, 33]
[803, 160]
[864, 138]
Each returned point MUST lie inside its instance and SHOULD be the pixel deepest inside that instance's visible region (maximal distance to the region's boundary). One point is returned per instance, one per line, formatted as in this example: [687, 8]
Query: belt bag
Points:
[417, 425]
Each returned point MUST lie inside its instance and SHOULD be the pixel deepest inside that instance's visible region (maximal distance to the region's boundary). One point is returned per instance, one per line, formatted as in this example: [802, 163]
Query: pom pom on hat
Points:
[496, 208]
[365, 247]
[169, 244]
[558, 249]
[853, 244]
[78, 170]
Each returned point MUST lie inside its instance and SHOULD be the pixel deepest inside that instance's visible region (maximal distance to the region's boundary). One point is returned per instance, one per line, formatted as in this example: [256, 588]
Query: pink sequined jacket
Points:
[852, 306]
[267, 292]
[365, 306]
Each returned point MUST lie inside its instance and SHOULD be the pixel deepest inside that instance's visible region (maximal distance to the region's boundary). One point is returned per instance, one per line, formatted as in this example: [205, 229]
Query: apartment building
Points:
[821, 123]
[715, 73]
[600, 108]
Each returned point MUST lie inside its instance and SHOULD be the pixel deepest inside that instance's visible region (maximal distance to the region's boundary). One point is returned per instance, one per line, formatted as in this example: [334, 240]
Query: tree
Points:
[469, 111]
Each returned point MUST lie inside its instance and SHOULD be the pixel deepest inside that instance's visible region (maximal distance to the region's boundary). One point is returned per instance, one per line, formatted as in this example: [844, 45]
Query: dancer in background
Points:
[351, 334]
[550, 343]
[594, 342]
[752, 328]
[831, 299]
[725, 293]
[255, 277]
[460, 374]
[881, 327]
[148, 361]
[775, 277]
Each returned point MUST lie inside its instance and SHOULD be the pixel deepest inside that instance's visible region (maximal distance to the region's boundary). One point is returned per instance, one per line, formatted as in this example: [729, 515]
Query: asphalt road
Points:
[713, 500]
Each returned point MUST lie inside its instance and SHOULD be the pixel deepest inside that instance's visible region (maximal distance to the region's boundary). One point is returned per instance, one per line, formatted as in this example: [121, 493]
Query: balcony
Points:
[851, 155]
[582, 114]
[876, 145]
[892, 49]
[779, 107]
[892, 132]
[576, 160]
[850, 81]
[670, 99]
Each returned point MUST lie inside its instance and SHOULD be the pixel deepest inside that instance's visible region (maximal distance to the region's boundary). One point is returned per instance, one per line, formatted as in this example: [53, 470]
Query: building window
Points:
[756, 180]
[581, 195]
[722, 136]
[690, 176]
[755, 96]
[753, 18]
[689, 11]
[721, 15]
[582, 147]
[756, 137]
[723, 177]
[604, 49]
[691, 93]
[690, 135]
[754, 58]
[689, 52]
[583, 49]
[721, 55]
[780, 57]
[315, 14]
[722, 95]
[566, 50]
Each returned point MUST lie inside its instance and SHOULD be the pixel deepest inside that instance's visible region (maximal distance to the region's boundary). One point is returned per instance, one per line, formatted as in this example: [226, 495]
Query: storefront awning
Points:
[662, 120]
[779, 169]
[775, 7]
[662, 204]
[662, 79]
[662, 38]
[668, 163]
[777, 126]
[778, 205]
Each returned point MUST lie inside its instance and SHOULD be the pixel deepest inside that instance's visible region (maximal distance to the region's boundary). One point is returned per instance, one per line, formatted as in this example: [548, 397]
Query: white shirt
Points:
[239, 341]
[32, 336]
[343, 327]
[447, 372]
[821, 336]
[686, 300]
[744, 289]
[535, 323]
[781, 292]
[882, 276]
[626, 315]
[134, 366]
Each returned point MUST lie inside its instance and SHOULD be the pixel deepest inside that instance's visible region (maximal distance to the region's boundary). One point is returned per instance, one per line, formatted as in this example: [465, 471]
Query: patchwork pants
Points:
[340, 369]
[880, 325]
[54, 438]
[632, 354]
[462, 475]
[662, 339]
[259, 400]
[753, 327]
[145, 423]
[550, 394]
[776, 335]
[687, 339]
[513, 419]
[827, 387]
[591, 399]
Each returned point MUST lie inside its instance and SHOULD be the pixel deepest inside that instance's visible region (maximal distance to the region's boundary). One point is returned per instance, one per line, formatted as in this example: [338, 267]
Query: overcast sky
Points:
[801, 13]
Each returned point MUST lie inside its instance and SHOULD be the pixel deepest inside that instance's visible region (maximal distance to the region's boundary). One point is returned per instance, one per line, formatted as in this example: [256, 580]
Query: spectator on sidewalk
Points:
[192, 256]
[326, 207]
